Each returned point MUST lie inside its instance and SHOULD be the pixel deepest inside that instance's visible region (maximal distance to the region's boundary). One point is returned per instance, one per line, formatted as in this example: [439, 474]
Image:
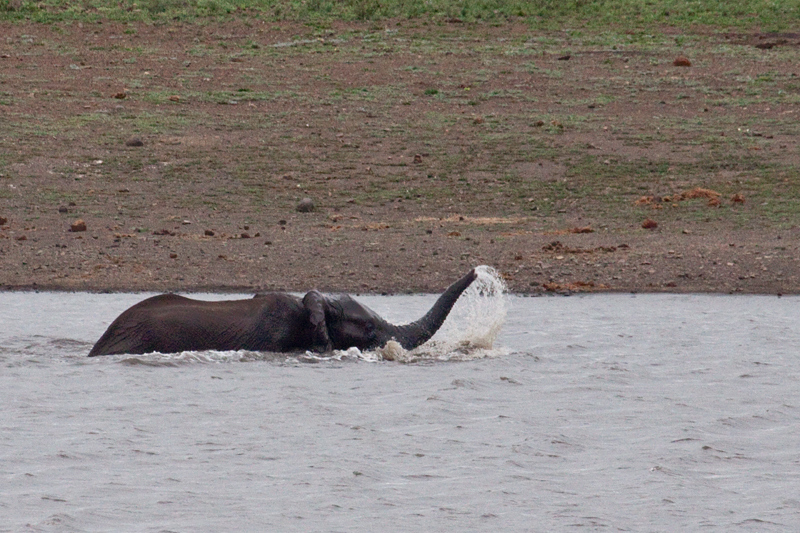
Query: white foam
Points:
[471, 327]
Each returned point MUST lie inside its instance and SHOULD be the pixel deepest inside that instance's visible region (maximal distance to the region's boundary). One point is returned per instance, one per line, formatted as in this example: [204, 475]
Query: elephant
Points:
[272, 322]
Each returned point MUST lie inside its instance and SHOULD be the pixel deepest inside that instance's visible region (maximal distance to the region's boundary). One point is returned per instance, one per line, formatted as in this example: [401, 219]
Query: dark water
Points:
[605, 412]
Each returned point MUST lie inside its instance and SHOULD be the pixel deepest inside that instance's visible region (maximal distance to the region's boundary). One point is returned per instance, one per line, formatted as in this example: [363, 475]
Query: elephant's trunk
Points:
[412, 335]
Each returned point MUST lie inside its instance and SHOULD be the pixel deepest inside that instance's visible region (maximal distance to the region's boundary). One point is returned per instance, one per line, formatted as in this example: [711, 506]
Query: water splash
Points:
[351, 354]
[481, 311]
[471, 328]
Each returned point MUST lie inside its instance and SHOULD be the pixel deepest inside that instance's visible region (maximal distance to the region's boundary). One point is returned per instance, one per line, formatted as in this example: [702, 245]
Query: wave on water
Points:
[242, 356]
[195, 357]
[25, 350]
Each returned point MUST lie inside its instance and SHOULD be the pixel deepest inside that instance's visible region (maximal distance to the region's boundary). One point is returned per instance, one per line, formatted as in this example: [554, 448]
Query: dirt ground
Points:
[175, 157]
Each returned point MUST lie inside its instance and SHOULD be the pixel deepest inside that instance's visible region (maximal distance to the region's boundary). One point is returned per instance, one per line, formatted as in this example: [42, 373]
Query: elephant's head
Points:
[341, 322]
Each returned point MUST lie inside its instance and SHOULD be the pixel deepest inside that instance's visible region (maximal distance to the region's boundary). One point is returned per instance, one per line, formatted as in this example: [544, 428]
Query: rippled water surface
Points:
[602, 412]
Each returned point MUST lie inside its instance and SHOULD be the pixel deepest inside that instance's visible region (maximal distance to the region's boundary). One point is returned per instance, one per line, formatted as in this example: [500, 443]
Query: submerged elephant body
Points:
[275, 322]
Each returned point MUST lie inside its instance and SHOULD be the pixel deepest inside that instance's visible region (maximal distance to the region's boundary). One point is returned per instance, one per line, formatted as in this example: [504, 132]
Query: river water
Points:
[599, 412]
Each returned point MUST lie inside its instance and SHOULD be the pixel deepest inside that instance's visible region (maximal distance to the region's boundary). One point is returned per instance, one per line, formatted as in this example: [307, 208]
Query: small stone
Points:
[682, 61]
[63, 209]
[586, 229]
[134, 141]
[78, 225]
[649, 223]
[306, 205]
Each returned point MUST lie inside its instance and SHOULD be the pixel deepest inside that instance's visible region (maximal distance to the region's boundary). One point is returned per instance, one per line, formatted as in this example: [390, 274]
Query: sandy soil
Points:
[186, 150]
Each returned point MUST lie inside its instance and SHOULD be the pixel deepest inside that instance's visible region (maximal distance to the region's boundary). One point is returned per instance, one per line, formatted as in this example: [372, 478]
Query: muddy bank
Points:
[150, 158]
[367, 254]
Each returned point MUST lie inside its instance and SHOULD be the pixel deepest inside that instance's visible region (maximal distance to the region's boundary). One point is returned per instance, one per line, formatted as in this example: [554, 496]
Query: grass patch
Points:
[458, 117]
[769, 16]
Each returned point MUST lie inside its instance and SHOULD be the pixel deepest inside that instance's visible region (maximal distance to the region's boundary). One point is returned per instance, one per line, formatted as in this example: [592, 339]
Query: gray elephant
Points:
[273, 322]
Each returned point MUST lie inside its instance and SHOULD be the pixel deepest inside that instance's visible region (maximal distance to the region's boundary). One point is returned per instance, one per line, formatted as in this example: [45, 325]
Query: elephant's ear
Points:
[316, 304]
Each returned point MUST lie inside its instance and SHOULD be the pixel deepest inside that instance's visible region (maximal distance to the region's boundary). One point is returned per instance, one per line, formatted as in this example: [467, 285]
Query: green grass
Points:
[766, 15]
[474, 135]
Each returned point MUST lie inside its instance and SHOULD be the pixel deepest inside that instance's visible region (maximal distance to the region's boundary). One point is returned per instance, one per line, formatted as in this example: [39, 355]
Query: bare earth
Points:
[426, 150]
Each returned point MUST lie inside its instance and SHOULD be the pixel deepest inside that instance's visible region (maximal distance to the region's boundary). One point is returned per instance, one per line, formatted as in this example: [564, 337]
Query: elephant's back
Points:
[171, 323]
